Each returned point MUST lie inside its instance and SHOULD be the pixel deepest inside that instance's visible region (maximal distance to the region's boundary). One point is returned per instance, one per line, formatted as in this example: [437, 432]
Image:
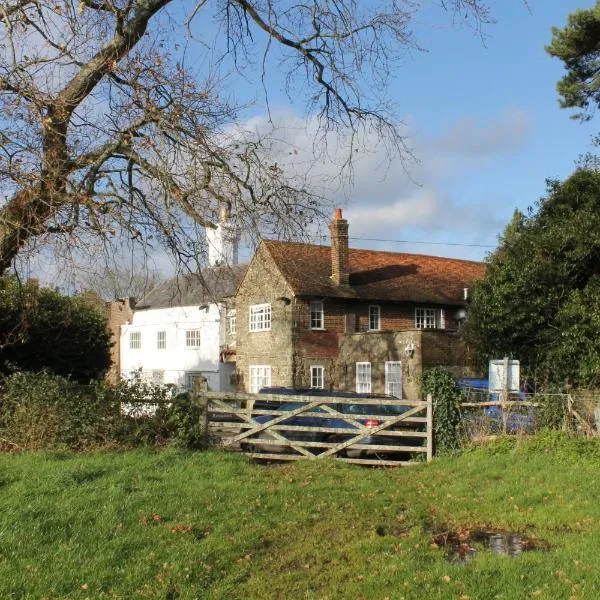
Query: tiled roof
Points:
[211, 285]
[374, 275]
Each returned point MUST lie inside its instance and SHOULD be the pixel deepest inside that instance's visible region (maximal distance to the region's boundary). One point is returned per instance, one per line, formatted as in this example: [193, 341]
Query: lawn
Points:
[167, 524]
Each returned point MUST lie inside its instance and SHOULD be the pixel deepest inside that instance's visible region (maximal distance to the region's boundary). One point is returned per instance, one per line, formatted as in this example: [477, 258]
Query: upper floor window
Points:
[317, 317]
[161, 340]
[363, 377]
[192, 338]
[135, 340]
[374, 318]
[429, 318]
[260, 317]
[232, 322]
[317, 377]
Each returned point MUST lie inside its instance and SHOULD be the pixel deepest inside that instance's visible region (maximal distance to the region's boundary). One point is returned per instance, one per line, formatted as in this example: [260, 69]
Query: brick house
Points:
[349, 319]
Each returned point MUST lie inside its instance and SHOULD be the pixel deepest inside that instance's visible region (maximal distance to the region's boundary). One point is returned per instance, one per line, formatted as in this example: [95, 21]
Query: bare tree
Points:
[118, 282]
[106, 130]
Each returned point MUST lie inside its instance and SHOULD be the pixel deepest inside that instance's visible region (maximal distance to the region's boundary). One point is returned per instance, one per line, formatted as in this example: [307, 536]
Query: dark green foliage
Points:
[49, 411]
[44, 411]
[42, 329]
[578, 46]
[551, 411]
[441, 384]
[540, 299]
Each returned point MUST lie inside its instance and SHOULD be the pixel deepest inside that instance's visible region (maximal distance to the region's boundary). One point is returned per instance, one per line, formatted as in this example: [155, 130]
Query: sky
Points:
[483, 119]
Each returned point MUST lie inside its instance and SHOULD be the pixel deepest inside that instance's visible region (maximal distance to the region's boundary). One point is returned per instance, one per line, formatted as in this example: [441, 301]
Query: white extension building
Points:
[178, 331]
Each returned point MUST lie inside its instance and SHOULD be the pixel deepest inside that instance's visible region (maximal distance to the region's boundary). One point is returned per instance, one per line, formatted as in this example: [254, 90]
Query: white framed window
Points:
[232, 322]
[260, 317]
[363, 377]
[161, 340]
[260, 377]
[192, 338]
[374, 318]
[430, 318]
[317, 315]
[317, 377]
[135, 340]
[393, 378]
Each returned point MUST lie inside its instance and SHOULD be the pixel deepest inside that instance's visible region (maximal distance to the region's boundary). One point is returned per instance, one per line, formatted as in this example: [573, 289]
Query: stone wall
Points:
[263, 284]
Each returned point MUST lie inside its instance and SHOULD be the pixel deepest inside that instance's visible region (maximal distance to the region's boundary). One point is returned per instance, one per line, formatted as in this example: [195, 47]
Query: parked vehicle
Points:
[519, 418]
[365, 415]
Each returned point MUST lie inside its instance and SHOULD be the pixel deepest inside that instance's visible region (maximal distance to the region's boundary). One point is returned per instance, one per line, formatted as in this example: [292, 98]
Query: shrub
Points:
[40, 410]
[46, 411]
[40, 329]
[441, 384]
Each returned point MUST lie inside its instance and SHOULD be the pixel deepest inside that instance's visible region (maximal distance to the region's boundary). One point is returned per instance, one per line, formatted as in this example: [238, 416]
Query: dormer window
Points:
[317, 315]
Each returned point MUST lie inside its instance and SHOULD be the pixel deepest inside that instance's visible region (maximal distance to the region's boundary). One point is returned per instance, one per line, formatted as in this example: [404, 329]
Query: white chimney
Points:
[223, 241]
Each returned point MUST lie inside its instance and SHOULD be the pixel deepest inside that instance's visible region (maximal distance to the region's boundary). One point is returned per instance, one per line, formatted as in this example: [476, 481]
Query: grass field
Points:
[167, 525]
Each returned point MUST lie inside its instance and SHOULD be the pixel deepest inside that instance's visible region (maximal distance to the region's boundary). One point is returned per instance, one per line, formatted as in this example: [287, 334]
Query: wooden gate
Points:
[376, 431]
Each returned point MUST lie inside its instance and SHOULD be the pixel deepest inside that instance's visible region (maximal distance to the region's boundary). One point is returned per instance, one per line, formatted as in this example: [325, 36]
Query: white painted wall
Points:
[176, 360]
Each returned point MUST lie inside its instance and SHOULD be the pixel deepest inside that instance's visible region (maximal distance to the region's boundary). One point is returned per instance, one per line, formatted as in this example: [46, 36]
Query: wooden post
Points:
[429, 428]
[199, 389]
[504, 396]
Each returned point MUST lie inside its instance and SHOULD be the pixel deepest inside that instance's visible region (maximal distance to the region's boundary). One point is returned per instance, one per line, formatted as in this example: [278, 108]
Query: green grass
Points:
[82, 525]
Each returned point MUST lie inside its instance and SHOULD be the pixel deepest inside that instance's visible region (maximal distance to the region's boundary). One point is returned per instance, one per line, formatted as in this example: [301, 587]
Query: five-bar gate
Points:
[375, 431]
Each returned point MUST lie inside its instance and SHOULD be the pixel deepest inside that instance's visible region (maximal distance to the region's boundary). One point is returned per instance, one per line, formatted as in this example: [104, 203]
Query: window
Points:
[192, 338]
[260, 377]
[393, 378]
[161, 340]
[317, 320]
[363, 377]
[424, 318]
[374, 318]
[317, 377]
[260, 317]
[232, 322]
[135, 340]
[430, 318]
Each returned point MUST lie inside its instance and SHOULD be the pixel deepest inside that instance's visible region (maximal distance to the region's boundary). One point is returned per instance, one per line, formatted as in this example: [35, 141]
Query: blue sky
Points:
[484, 121]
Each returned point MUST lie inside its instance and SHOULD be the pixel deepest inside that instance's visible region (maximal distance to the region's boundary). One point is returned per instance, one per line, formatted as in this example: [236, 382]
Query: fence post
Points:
[429, 428]
[504, 397]
[199, 398]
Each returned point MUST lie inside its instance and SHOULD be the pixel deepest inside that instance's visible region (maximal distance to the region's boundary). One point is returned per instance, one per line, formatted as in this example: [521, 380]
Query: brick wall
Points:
[119, 312]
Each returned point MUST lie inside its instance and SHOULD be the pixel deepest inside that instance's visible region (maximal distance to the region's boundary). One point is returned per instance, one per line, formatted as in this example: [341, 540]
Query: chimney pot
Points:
[338, 214]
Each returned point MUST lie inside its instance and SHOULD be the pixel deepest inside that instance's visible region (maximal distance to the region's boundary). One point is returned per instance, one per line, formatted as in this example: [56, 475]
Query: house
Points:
[177, 332]
[349, 319]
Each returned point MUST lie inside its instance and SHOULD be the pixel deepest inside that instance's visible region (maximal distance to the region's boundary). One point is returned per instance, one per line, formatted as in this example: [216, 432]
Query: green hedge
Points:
[45, 411]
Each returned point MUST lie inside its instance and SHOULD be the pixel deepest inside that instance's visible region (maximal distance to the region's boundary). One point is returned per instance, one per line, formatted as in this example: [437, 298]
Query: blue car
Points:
[520, 420]
[323, 421]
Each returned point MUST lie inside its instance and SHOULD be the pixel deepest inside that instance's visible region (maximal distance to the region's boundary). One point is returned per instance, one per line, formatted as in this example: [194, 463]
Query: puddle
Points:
[465, 544]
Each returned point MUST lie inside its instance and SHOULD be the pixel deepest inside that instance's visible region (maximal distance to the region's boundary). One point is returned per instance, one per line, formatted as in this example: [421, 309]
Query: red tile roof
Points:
[374, 275]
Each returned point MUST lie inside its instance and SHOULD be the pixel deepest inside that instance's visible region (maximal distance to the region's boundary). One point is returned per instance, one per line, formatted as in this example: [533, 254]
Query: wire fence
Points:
[487, 413]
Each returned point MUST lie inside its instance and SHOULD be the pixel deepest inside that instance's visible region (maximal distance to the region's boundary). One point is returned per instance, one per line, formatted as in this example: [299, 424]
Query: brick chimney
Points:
[339, 249]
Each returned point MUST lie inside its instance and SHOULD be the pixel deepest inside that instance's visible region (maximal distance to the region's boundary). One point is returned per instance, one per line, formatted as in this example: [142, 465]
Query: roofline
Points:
[353, 249]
